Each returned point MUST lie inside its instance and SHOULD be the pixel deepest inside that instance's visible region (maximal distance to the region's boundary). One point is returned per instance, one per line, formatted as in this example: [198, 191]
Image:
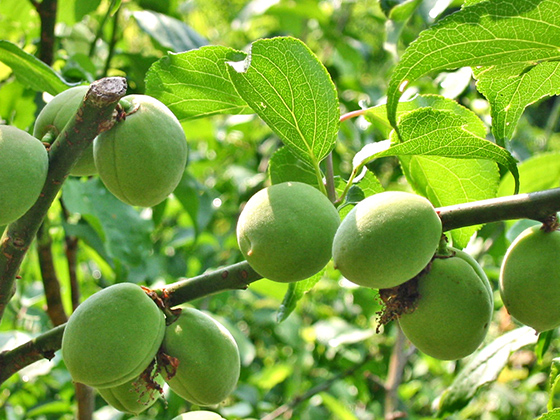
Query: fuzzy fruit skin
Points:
[143, 157]
[112, 336]
[387, 239]
[530, 279]
[286, 231]
[199, 415]
[23, 170]
[454, 309]
[56, 114]
[133, 397]
[208, 356]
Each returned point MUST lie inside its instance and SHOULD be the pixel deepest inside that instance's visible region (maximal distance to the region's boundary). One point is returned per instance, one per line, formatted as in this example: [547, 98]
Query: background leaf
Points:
[196, 83]
[486, 33]
[169, 32]
[295, 292]
[537, 173]
[289, 88]
[483, 367]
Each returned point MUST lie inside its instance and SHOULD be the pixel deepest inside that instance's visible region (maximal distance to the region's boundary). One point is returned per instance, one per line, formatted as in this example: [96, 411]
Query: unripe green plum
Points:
[23, 170]
[387, 239]
[286, 231]
[134, 396]
[54, 117]
[454, 308]
[143, 157]
[530, 279]
[199, 415]
[112, 336]
[208, 357]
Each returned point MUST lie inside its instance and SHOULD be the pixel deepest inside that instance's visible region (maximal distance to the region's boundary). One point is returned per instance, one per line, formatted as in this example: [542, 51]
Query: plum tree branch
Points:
[93, 117]
[538, 206]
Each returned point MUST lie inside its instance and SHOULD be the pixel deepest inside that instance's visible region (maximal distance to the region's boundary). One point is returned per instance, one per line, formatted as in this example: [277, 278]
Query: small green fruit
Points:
[112, 336]
[142, 158]
[286, 231]
[454, 308]
[54, 117]
[208, 358]
[134, 396]
[387, 239]
[530, 279]
[23, 170]
[199, 415]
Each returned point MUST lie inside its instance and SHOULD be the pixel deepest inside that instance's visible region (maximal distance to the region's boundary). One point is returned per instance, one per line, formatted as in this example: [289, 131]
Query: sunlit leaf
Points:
[30, 70]
[289, 88]
[196, 83]
[486, 33]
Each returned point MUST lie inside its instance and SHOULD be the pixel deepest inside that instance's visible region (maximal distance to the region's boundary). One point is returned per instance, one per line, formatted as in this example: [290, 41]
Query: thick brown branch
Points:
[93, 117]
[47, 13]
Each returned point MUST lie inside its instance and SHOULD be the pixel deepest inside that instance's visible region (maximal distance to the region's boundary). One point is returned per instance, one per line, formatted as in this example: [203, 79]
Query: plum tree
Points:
[387, 239]
[142, 158]
[23, 170]
[208, 358]
[454, 307]
[112, 336]
[54, 117]
[286, 231]
[530, 278]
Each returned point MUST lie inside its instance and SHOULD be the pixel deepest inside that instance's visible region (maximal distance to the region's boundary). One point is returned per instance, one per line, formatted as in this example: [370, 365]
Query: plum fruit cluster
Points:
[141, 159]
[117, 341]
[391, 241]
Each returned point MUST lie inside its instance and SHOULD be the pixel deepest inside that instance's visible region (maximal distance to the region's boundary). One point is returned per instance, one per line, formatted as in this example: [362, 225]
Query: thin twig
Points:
[397, 362]
[51, 284]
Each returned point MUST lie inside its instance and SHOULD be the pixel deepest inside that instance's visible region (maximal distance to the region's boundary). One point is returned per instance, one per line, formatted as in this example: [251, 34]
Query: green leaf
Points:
[543, 344]
[551, 415]
[295, 292]
[486, 33]
[509, 96]
[289, 88]
[537, 173]
[125, 231]
[428, 131]
[377, 115]
[285, 166]
[31, 71]
[553, 381]
[399, 10]
[169, 32]
[196, 83]
[337, 408]
[196, 200]
[484, 367]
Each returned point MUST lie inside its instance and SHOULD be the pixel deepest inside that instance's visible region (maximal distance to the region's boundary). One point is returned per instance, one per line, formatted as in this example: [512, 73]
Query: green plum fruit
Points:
[23, 170]
[208, 358]
[112, 336]
[54, 117]
[454, 308]
[286, 231]
[530, 279]
[199, 415]
[134, 396]
[387, 239]
[143, 157]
